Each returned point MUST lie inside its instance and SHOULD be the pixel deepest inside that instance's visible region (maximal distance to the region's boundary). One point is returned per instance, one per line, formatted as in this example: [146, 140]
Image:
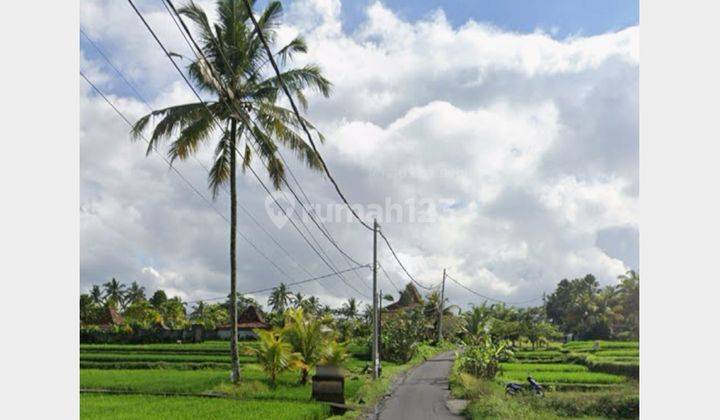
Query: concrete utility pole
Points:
[379, 315]
[442, 308]
[376, 323]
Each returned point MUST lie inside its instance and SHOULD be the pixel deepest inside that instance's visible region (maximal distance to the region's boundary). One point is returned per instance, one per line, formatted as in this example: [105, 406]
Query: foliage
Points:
[89, 310]
[564, 377]
[280, 298]
[483, 358]
[141, 313]
[115, 291]
[350, 310]
[155, 407]
[401, 334]
[274, 354]
[210, 316]
[335, 354]
[308, 337]
[158, 299]
[581, 307]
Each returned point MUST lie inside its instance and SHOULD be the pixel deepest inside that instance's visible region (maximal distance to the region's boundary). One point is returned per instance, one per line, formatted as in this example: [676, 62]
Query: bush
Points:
[483, 359]
[401, 334]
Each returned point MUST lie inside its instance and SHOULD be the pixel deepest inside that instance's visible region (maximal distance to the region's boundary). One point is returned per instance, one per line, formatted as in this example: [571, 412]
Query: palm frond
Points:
[297, 45]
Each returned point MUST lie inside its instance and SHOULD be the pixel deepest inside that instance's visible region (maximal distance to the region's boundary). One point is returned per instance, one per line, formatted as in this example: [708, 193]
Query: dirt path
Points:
[422, 393]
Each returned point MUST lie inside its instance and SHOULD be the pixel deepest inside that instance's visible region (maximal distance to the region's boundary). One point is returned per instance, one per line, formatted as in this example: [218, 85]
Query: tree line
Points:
[577, 306]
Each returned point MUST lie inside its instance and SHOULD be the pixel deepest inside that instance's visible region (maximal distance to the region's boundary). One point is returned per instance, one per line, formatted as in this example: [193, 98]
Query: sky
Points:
[498, 140]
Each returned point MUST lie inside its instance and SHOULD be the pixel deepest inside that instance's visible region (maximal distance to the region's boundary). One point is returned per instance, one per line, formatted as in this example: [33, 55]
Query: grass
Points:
[155, 407]
[178, 368]
[617, 353]
[542, 367]
[539, 354]
[149, 357]
[545, 377]
[153, 380]
[571, 392]
[211, 347]
[580, 346]
[154, 365]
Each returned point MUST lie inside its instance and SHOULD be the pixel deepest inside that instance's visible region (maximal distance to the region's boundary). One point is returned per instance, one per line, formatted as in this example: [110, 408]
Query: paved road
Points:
[422, 393]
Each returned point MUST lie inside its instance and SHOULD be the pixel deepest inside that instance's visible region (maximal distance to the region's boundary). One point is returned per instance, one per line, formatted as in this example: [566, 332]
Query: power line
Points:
[177, 171]
[489, 298]
[195, 48]
[198, 52]
[167, 53]
[275, 67]
[268, 289]
[387, 276]
[297, 113]
[382, 235]
[147, 104]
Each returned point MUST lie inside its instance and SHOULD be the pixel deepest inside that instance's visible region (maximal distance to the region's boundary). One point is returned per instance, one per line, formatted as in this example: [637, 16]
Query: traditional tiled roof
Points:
[249, 319]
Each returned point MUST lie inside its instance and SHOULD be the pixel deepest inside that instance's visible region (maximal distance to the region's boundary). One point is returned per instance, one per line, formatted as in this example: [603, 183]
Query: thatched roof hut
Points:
[409, 298]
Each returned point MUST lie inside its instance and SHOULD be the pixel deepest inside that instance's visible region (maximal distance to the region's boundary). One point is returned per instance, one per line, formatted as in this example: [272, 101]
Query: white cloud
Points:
[527, 144]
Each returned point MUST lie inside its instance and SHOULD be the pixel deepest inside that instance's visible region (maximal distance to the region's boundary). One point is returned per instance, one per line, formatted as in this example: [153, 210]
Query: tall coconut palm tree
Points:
[350, 309]
[135, 293]
[280, 298]
[298, 300]
[243, 115]
[96, 294]
[115, 292]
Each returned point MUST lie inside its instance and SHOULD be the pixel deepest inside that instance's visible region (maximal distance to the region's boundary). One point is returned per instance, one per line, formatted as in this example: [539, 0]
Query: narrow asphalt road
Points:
[422, 393]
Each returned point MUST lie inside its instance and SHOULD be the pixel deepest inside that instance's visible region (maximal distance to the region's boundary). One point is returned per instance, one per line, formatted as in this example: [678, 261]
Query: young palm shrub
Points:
[274, 354]
[309, 336]
[335, 354]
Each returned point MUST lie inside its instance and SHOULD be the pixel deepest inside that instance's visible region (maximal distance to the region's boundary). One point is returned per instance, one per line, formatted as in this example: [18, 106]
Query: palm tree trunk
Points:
[233, 263]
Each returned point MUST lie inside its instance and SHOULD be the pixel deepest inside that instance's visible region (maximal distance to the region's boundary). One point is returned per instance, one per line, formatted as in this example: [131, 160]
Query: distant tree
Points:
[173, 311]
[312, 305]
[280, 298]
[242, 303]
[96, 295]
[142, 314]
[115, 291]
[298, 300]
[210, 315]
[158, 299]
[88, 309]
[629, 298]
[350, 309]
[572, 303]
[135, 293]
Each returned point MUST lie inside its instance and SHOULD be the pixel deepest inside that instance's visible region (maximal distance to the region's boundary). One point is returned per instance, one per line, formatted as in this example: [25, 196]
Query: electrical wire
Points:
[487, 297]
[167, 53]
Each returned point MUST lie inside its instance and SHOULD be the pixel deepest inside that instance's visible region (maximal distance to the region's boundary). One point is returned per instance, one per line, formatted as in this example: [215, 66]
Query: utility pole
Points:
[442, 307]
[379, 315]
[376, 329]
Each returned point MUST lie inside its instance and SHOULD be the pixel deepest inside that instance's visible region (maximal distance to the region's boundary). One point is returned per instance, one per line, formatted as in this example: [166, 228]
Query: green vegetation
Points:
[275, 356]
[548, 377]
[158, 407]
[590, 378]
[542, 367]
[171, 374]
[593, 378]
